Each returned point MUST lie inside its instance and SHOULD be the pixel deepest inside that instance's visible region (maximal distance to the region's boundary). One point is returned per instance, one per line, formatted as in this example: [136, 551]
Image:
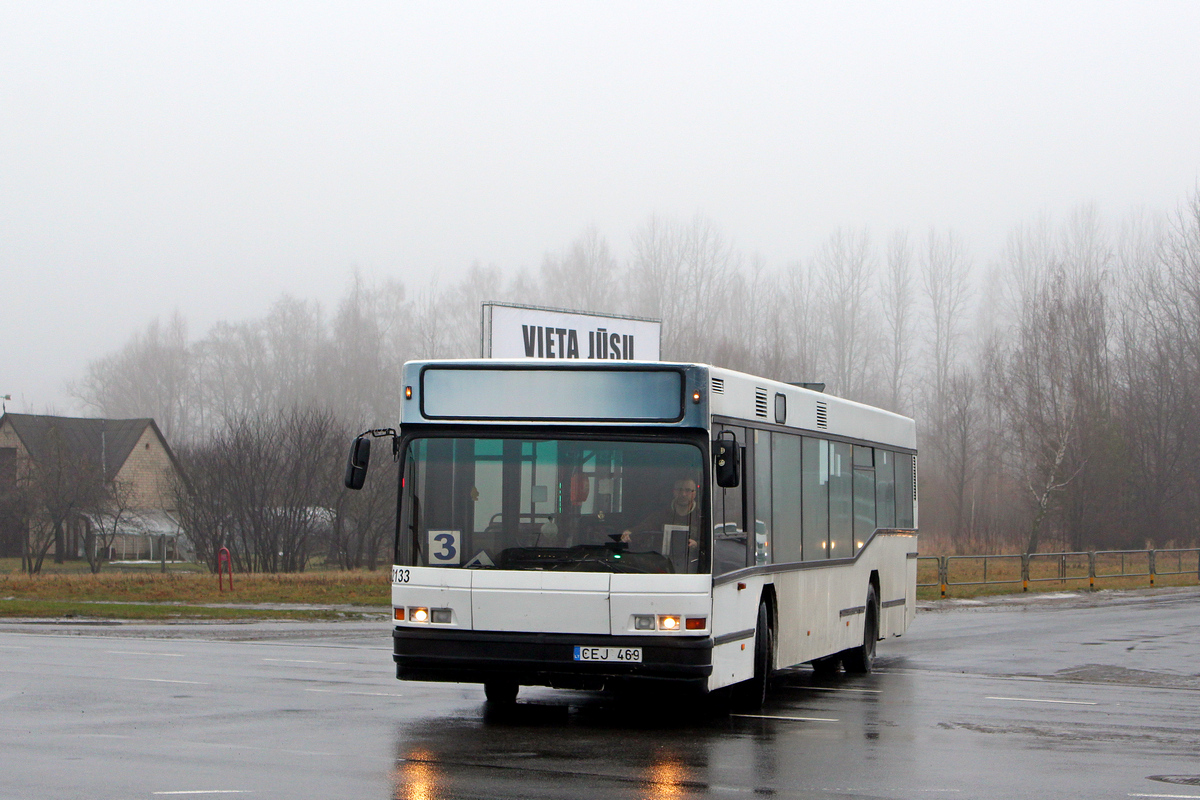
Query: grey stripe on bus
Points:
[733, 637]
[849, 612]
[892, 603]
[796, 566]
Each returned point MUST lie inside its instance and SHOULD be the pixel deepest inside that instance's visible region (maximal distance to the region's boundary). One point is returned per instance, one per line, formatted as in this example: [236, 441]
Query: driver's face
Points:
[685, 490]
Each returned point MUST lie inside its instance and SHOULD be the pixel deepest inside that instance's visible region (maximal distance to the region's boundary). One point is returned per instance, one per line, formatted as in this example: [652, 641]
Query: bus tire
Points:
[501, 691]
[861, 659]
[752, 694]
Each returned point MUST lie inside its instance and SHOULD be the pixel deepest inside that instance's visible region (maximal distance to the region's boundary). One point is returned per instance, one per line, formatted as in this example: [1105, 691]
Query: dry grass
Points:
[90, 610]
[146, 595]
[323, 588]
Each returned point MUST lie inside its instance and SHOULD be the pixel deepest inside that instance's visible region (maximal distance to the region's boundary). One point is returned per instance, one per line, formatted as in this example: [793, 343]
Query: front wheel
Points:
[752, 694]
[861, 659]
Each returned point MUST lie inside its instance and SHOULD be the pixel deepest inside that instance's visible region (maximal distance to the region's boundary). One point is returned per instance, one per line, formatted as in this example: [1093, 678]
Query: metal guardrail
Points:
[1055, 567]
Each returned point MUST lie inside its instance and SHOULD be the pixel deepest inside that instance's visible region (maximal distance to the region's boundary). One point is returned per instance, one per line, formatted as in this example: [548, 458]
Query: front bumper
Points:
[547, 659]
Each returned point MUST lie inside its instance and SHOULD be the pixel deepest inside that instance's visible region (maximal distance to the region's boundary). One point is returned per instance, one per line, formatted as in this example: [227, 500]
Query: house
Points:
[130, 462]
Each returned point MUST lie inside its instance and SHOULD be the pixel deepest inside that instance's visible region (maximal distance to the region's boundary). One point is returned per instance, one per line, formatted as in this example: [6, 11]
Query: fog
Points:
[207, 158]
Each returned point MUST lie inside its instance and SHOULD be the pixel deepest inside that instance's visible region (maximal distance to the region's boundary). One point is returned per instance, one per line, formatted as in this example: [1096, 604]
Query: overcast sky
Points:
[208, 157]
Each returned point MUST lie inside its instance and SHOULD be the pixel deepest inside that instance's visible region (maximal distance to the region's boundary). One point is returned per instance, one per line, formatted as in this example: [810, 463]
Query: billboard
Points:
[515, 331]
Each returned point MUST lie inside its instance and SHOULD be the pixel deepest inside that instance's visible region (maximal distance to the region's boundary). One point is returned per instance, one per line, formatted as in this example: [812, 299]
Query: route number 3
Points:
[444, 548]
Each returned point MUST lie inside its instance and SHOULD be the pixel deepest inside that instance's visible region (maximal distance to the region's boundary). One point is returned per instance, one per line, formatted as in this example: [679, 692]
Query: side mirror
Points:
[726, 460]
[356, 465]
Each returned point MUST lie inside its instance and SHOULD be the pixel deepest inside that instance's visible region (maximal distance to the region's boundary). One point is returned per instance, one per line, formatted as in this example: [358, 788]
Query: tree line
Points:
[1056, 385]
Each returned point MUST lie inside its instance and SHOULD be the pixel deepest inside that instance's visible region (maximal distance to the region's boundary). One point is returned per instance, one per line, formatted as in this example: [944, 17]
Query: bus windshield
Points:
[553, 504]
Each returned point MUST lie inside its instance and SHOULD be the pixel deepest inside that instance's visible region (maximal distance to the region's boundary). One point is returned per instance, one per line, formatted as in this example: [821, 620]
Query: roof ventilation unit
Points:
[760, 402]
[822, 415]
[718, 386]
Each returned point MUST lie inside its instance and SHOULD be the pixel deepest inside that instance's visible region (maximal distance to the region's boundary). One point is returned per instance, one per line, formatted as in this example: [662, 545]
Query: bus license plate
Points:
[627, 654]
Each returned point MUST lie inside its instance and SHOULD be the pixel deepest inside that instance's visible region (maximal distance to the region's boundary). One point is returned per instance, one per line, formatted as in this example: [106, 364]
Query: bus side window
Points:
[763, 527]
[904, 490]
[841, 500]
[786, 482]
[885, 488]
[815, 497]
[865, 515]
[729, 519]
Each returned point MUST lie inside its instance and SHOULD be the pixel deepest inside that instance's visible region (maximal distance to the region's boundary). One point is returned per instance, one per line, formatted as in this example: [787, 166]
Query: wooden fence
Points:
[944, 572]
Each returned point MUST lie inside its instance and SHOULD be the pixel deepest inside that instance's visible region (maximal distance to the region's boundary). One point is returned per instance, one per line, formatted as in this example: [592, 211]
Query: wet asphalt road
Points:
[1088, 696]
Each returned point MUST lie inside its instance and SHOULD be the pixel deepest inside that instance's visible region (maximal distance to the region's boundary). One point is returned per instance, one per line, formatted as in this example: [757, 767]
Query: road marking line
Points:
[136, 653]
[307, 661]
[159, 680]
[1039, 700]
[211, 791]
[795, 719]
[15, 646]
[364, 694]
[105, 735]
[832, 689]
[239, 746]
[1176, 796]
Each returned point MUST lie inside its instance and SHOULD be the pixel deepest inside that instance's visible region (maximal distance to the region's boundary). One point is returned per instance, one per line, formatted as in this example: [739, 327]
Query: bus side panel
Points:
[735, 614]
[812, 600]
[897, 581]
[807, 626]
[846, 587]
[910, 607]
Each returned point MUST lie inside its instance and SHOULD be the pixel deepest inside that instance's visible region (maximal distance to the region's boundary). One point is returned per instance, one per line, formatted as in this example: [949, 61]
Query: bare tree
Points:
[656, 271]
[151, 376]
[107, 515]
[265, 487]
[1056, 387]
[683, 275]
[585, 277]
[897, 303]
[945, 274]
[431, 336]
[801, 324]
[58, 486]
[846, 267]
[959, 455]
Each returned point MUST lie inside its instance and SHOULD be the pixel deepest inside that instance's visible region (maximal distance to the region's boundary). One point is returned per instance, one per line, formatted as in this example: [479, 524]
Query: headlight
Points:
[418, 614]
[668, 622]
[643, 622]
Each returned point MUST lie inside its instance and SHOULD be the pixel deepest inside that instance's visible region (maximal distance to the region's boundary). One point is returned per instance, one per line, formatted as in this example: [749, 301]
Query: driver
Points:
[683, 510]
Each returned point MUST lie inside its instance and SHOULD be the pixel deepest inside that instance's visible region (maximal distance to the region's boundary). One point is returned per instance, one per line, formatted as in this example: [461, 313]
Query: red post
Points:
[224, 559]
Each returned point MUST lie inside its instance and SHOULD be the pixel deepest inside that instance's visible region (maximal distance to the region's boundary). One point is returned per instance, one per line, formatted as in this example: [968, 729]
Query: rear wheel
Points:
[501, 691]
[861, 659]
[752, 693]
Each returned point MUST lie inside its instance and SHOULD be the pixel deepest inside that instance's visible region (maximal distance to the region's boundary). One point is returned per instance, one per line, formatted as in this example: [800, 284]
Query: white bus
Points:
[592, 525]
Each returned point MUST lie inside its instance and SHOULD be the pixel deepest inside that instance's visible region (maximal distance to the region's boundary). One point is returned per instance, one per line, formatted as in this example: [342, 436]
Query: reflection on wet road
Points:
[1063, 697]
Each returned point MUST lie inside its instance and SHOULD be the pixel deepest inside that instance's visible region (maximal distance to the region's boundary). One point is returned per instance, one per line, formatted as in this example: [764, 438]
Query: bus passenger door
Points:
[735, 603]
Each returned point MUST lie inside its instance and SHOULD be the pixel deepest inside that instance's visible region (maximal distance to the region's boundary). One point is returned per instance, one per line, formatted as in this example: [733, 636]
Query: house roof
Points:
[107, 442]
